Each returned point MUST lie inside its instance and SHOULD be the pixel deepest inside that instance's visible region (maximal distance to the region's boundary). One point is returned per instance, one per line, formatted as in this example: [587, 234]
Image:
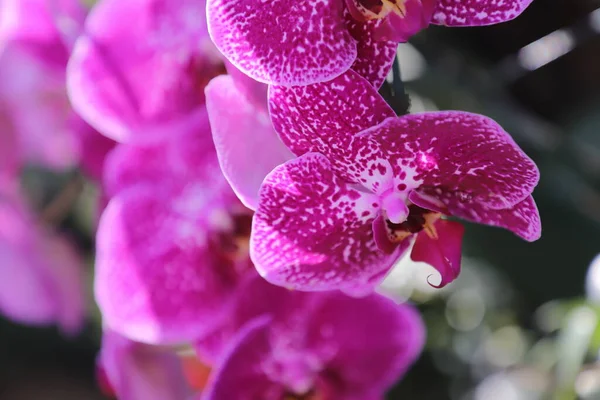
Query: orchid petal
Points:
[321, 341]
[241, 133]
[325, 116]
[254, 91]
[442, 252]
[477, 12]
[137, 371]
[281, 42]
[189, 154]
[240, 375]
[457, 152]
[523, 219]
[156, 275]
[42, 280]
[313, 232]
[395, 333]
[375, 57]
[138, 79]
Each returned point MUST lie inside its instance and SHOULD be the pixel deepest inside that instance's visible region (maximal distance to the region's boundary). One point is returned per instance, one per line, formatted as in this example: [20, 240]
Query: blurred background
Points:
[518, 324]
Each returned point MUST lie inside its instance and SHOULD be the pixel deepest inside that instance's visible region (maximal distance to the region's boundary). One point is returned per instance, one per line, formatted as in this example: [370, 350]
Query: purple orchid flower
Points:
[311, 41]
[41, 277]
[37, 123]
[283, 344]
[131, 371]
[138, 79]
[172, 242]
[367, 184]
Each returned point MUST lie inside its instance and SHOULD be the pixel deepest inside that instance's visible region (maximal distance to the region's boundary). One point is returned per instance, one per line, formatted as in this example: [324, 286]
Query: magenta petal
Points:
[345, 348]
[188, 154]
[312, 231]
[281, 42]
[444, 252]
[42, 280]
[400, 29]
[156, 278]
[136, 371]
[375, 57]
[306, 120]
[377, 341]
[523, 218]
[138, 79]
[477, 12]
[455, 151]
[254, 91]
[241, 375]
[247, 145]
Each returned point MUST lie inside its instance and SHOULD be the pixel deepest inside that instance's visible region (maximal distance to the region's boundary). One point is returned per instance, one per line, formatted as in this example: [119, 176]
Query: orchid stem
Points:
[401, 99]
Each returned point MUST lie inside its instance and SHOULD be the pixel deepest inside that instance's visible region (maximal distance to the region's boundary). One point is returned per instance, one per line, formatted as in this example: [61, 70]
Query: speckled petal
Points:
[324, 117]
[442, 252]
[313, 232]
[375, 57]
[523, 219]
[138, 79]
[247, 145]
[457, 151]
[282, 42]
[156, 281]
[136, 371]
[477, 12]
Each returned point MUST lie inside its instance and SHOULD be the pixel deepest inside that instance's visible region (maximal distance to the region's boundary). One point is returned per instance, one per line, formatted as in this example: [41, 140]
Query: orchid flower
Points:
[41, 277]
[172, 242]
[138, 71]
[129, 370]
[33, 56]
[311, 41]
[37, 123]
[292, 345]
[367, 184]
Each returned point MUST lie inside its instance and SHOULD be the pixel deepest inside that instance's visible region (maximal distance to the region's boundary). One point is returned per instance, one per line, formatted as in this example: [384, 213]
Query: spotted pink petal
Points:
[477, 12]
[281, 42]
[523, 218]
[157, 278]
[137, 371]
[442, 253]
[138, 79]
[374, 57]
[324, 117]
[247, 145]
[312, 231]
[458, 152]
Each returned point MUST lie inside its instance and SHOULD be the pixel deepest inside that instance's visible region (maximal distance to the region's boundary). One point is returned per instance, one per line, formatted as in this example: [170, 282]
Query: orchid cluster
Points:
[257, 186]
